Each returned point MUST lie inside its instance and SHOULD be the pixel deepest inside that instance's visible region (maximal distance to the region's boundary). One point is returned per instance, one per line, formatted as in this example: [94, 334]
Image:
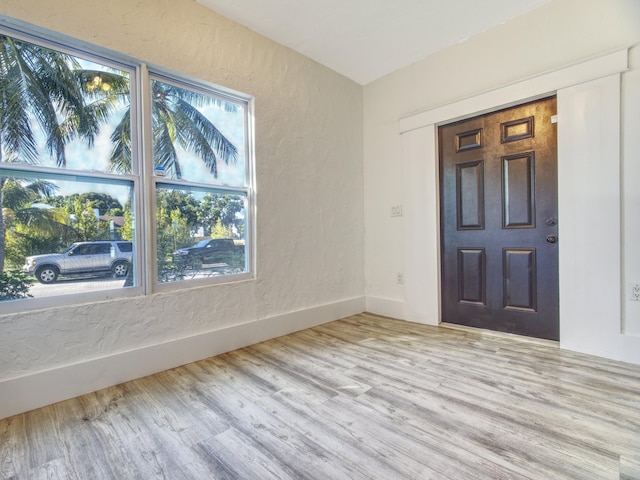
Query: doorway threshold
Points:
[504, 335]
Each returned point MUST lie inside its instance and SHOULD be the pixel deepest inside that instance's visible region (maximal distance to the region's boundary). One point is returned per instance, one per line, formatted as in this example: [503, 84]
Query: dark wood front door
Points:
[498, 184]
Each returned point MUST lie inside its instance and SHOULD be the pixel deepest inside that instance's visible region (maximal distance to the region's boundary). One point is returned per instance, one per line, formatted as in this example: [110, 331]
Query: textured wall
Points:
[308, 171]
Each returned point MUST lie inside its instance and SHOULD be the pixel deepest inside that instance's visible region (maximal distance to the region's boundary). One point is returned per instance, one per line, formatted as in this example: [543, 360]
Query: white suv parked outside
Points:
[97, 257]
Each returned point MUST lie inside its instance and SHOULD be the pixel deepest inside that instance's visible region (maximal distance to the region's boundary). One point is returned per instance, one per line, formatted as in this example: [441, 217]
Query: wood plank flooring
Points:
[366, 397]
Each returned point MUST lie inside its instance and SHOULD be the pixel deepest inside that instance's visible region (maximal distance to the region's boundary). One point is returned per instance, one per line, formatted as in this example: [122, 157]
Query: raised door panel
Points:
[472, 275]
[470, 195]
[520, 279]
[518, 190]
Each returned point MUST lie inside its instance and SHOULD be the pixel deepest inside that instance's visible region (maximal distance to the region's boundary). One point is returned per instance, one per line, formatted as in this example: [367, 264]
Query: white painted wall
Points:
[556, 35]
[309, 200]
[311, 215]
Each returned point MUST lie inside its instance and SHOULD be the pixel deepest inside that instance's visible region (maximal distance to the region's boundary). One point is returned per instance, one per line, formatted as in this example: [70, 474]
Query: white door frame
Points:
[589, 187]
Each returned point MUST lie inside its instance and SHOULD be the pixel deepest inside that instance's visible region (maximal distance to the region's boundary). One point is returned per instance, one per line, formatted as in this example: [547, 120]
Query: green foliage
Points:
[126, 232]
[30, 229]
[14, 285]
[15, 195]
[106, 204]
[169, 201]
[85, 222]
[216, 208]
[182, 221]
[221, 231]
[172, 233]
[20, 245]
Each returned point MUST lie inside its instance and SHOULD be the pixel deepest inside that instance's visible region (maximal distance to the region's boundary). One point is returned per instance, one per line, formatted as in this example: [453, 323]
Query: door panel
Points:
[520, 278]
[518, 201]
[472, 274]
[470, 193]
[498, 175]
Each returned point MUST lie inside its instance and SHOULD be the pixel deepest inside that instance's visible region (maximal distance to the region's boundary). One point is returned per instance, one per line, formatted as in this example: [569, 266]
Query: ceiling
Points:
[367, 39]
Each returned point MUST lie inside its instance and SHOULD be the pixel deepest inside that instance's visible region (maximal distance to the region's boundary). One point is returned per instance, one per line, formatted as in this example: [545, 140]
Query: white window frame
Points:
[143, 181]
[150, 74]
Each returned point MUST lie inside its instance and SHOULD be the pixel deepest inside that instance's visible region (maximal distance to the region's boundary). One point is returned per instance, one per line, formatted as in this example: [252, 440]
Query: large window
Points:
[96, 196]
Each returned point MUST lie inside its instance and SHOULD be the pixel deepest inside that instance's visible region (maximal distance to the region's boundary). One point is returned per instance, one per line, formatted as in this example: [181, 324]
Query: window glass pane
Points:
[62, 111]
[201, 233]
[197, 137]
[65, 235]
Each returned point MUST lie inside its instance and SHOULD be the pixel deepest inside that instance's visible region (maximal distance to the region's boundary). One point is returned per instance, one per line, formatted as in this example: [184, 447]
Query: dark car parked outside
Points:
[210, 252]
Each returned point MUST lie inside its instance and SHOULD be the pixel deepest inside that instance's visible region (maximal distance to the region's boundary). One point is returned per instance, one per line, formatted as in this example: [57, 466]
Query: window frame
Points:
[142, 179]
[149, 74]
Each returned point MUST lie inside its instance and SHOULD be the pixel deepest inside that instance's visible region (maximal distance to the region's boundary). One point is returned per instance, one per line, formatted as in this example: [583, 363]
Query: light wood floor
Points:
[361, 398]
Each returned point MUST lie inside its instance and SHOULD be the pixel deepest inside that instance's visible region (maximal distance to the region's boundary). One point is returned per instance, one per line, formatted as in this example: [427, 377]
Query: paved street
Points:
[65, 286]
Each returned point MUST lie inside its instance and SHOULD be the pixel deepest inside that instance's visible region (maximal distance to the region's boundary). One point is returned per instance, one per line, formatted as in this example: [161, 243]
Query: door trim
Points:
[532, 88]
[421, 212]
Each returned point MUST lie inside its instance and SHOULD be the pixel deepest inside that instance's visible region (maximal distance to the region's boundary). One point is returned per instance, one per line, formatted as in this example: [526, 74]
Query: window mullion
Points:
[147, 243]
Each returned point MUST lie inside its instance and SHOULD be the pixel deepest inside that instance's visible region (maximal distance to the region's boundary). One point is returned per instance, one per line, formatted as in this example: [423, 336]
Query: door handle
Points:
[552, 239]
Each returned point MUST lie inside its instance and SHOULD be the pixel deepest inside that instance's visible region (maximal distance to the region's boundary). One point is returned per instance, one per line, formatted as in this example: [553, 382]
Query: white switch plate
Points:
[396, 210]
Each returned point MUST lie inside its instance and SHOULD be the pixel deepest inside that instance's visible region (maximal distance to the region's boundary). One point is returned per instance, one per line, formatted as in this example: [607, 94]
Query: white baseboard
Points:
[401, 310]
[21, 394]
[386, 307]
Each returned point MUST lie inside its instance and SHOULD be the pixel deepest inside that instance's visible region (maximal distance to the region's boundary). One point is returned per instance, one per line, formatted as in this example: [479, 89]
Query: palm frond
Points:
[43, 188]
[120, 158]
[15, 196]
[164, 152]
[39, 99]
[204, 138]
[16, 134]
[178, 108]
[192, 139]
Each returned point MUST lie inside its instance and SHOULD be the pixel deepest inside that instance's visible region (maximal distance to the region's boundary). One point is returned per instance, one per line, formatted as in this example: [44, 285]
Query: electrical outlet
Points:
[634, 296]
[396, 210]
[400, 278]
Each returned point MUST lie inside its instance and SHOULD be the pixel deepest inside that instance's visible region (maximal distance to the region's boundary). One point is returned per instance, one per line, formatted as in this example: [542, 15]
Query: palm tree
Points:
[31, 227]
[40, 86]
[176, 120]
